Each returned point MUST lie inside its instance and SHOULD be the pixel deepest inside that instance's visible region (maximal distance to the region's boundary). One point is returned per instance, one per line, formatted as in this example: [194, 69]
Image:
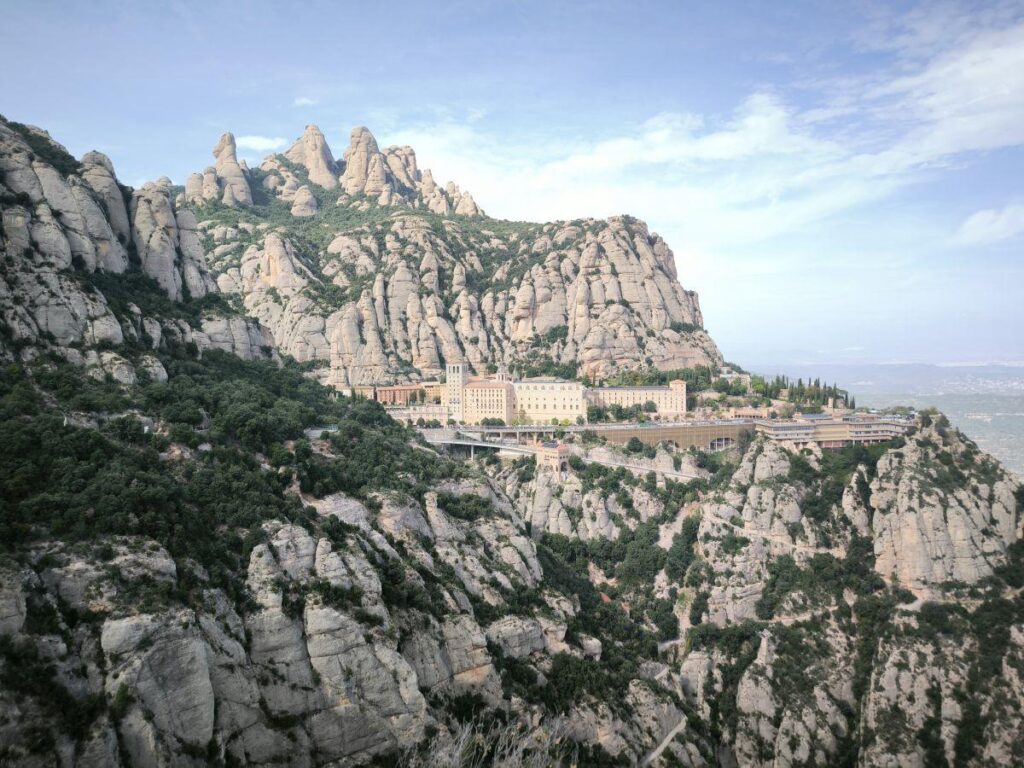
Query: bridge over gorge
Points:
[452, 438]
[705, 435]
[527, 440]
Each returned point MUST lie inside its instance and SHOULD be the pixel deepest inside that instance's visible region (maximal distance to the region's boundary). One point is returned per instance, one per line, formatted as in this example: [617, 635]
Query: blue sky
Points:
[840, 182]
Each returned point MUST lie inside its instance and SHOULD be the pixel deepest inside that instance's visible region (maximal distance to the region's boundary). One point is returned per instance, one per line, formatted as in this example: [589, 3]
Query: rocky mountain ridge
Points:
[364, 268]
[191, 573]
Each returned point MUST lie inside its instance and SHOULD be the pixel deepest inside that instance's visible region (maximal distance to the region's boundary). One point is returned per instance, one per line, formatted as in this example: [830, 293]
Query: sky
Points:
[840, 182]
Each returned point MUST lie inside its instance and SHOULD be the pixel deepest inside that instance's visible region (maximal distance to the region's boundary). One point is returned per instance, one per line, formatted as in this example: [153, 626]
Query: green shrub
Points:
[467, 506]
[47, 150]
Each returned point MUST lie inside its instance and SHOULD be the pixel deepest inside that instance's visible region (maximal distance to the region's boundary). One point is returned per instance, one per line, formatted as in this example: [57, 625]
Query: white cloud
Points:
[967, 99]
[304, 101]
[770, 169]
[991, 226]
[260, 143]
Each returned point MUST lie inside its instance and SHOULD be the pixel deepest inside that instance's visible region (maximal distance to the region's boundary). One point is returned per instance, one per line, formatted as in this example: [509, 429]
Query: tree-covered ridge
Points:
[207, 467]
[108, 477]
[193, 570]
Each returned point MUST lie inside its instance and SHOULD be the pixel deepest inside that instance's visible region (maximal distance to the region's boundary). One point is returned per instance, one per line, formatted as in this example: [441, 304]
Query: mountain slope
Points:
[193, 571]
[378, 276]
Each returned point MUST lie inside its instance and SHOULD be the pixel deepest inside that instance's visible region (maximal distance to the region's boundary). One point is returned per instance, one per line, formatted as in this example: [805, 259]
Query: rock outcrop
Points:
[366, 172]
[168, 243]
[98, 173]
[230, 175]
[942, 512]
[313, 154]
[304, 203]
[603, 293]
[69, 237]
[394, 297]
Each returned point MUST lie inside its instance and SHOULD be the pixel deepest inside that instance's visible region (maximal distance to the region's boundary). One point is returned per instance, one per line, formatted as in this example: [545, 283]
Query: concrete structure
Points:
[456, 378]
[488, 400]
[668, 401]
[828, 432]
[544, 400]
[539, 400]
[706, 435]
[553, 456]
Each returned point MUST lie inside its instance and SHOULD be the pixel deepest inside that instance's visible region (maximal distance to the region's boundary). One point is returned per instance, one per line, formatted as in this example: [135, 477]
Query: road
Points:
[453, 437]
[655, 753]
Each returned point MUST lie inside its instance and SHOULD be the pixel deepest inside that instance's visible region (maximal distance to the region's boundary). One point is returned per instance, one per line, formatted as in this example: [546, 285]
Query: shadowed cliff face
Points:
[187, 577]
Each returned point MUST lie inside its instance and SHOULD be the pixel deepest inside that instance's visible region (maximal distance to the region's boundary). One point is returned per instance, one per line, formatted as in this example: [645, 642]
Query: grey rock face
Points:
[927, 533]
[517, 637]
[403, 317]
[168, 243]
[98, 172]
[311, 152]
[230, 175]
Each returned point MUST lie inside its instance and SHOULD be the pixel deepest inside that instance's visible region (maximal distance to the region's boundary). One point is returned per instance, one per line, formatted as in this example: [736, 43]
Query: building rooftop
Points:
[645, 387]
[487, 384]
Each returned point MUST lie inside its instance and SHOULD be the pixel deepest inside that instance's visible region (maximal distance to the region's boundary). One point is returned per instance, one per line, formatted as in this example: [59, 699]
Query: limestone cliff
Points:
[393, 275]
[363, 266]
[74, 243]
[208, 557]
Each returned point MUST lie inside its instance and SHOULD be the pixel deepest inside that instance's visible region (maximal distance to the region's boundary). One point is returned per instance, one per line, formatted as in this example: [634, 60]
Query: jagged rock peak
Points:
[365, 170]
[389, 177]
[232, 179]
[312, 153]
[402, 162]
[225, 147]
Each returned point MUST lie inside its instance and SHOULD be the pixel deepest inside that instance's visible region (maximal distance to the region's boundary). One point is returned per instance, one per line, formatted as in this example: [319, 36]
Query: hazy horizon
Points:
[838, 184]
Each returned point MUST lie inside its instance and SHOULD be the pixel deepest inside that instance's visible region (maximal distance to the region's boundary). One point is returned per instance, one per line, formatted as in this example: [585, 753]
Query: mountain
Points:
[365, 268]
[207, 556]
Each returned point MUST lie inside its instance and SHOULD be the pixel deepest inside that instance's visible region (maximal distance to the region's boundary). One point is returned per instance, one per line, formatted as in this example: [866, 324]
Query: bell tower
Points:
[456, 377]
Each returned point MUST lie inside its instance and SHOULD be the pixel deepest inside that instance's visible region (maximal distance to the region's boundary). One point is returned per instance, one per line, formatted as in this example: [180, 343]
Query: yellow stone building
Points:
[539, 400]
[668, 401]
[544, 400]
[488, 400]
